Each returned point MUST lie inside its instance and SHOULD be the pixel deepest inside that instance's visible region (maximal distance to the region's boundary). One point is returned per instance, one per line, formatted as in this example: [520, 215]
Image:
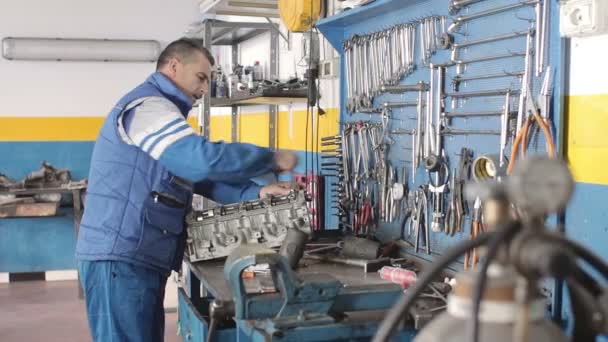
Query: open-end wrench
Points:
[483, 93]
[457, 80]
[456, 5]
[474, 114]
[504, 123]
[457, 46]
[463, 19]
[397, 89]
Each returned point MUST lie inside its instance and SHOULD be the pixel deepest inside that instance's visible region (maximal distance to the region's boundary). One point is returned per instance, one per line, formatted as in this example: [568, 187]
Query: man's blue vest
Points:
[134, 208]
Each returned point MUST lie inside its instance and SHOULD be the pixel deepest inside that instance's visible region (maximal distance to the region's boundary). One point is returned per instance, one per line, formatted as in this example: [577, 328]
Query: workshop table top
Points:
[211, 275]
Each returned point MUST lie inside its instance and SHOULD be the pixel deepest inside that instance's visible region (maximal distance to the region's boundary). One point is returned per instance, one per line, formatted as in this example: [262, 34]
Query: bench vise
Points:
[301, 301]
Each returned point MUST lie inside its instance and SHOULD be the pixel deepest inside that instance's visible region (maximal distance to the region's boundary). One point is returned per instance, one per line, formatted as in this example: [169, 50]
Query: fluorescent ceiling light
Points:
[58, 49]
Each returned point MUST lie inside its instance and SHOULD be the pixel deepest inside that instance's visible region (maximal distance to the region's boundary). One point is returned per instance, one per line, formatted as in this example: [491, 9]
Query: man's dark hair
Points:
[183, 49]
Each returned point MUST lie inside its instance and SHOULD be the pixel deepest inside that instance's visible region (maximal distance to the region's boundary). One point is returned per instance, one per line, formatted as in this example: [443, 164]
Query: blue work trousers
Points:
[124, 301]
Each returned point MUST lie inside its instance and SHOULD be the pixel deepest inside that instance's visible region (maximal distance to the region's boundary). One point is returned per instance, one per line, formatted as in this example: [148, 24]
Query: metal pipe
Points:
[462, 19]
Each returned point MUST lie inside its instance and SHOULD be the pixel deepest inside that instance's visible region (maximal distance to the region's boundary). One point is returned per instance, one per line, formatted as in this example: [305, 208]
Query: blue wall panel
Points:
[40, 244]
[17, 159]
[37, 245]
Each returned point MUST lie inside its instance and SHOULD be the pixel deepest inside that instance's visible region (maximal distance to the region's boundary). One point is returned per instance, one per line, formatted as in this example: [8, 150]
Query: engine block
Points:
[214, 233]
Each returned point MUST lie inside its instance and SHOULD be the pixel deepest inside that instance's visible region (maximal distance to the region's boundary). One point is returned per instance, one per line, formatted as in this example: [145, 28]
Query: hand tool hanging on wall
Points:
[419, 220]
[458, 21]
[458, 208]
[456, 5]
[437, 189]
[525, 82]
[377, 59]
[457, 80]
[520, 143]
[430, 29]
[456, 47]
[471, 258]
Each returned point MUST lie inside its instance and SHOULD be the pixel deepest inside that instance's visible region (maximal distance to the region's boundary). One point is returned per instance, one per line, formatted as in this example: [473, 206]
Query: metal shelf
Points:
[234, 33]
[256, 100]
[246, 8]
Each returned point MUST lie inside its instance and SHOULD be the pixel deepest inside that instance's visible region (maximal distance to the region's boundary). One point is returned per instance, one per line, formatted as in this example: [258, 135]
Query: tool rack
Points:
[474, 100]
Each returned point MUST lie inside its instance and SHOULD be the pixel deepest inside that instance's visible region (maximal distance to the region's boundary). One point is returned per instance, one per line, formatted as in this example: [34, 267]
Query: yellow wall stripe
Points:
[49, 128]
[587, 137]
[253, 128]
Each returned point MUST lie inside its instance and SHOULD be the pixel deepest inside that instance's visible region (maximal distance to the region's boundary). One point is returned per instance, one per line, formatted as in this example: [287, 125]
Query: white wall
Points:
[82, 88]
[588, 73]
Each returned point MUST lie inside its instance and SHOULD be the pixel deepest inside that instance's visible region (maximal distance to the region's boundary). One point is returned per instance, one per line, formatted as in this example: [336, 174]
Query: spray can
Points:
[397, 275]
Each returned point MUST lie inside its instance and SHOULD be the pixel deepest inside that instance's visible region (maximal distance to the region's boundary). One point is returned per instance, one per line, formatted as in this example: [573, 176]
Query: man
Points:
[146, 164]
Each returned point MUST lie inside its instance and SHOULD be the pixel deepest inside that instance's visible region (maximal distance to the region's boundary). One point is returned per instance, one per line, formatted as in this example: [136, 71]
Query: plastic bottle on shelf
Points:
[220, 83]
[258, 73]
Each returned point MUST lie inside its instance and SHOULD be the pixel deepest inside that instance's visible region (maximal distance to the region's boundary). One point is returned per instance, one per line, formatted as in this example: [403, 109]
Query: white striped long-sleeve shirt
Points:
[158, 128]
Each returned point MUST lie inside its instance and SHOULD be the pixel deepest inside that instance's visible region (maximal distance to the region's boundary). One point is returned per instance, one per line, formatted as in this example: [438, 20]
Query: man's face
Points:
[192, 75]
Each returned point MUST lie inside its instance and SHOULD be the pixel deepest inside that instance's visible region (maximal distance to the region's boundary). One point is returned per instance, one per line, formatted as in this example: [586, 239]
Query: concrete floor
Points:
[50, 311]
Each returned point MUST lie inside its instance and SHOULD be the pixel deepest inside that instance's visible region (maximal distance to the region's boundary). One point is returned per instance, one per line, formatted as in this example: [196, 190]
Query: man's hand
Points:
[276, 189]
[285, 161]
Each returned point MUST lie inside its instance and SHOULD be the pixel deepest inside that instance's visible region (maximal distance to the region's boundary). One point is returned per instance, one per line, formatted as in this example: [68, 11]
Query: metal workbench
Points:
[363, 300]
[211, 275]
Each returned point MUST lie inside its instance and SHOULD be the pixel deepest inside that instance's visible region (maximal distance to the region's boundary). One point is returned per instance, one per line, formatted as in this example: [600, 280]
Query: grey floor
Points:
[50, 311]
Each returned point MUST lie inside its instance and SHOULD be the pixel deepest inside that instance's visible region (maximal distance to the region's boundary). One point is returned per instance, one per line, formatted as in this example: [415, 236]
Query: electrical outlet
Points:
[329, 68]
[579, 18]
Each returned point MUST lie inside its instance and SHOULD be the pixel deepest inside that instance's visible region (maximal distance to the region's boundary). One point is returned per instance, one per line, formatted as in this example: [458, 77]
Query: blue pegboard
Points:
[383, 14]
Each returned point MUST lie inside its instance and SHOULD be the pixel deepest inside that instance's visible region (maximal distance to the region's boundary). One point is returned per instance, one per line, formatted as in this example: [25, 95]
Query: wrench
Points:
[457, 46]
[462, 19]
[456, 81]
[456, 5]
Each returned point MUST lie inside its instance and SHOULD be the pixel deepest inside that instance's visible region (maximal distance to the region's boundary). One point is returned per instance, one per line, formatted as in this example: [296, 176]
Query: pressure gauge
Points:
[539, 185]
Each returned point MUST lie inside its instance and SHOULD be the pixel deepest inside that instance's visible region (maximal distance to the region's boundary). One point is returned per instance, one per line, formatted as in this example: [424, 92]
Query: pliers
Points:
[455, 209]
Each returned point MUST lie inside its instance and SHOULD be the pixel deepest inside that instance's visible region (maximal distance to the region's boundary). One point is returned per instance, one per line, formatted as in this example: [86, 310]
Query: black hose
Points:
[391, 320]
[586, 281]
[212, 328]
[582, 302]
[586, 255]
[502, 234]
